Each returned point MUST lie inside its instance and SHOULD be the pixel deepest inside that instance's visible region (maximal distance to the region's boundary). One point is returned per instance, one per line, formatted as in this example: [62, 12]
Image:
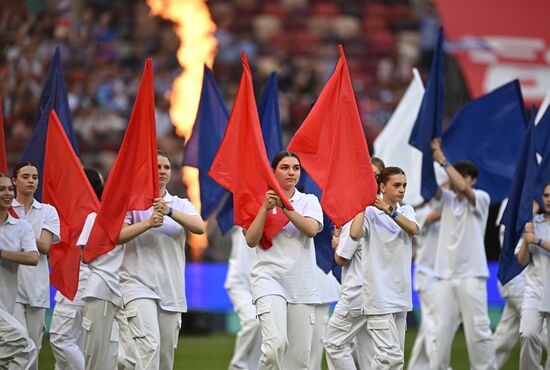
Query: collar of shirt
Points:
[539, 219]
[168, 198]
[35, 204]
[10, 220]
[379, 211]
[296, 196]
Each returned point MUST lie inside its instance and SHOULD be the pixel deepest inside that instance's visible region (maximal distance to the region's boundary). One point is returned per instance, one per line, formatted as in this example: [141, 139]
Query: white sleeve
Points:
[408, 212]
[51, 222]
[313, 210]
[129, 218]
[185, 206]
[28, 242]
[347, 246]
[483, 200]
[86, 230]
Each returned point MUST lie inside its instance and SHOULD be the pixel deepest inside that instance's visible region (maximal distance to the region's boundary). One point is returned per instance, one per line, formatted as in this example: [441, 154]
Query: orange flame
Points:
[195, 28]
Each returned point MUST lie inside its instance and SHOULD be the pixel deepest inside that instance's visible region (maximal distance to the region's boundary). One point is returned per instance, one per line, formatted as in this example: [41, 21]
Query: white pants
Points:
[17, 350]
[33, 319]
[319, 331]
[99, 316]
[287, 330]
[126, 347]
[66, 336]
[246, 355]
[466, 298]
[155, 333]
[381, 336]
[530, 330]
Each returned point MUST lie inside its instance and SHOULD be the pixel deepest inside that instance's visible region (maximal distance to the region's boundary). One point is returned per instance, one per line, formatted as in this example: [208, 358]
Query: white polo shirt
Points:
[329, 287]
[288, 267]
[240, 262]
[537, 286]
[34, 281]
[426, 249]
[103, 282]
[16, 236]
[153, 264]
[386, 263]
[461, 247]
[352, 274]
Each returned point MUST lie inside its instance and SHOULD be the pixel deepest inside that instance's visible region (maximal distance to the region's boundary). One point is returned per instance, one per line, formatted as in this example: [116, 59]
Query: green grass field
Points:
[213, 352]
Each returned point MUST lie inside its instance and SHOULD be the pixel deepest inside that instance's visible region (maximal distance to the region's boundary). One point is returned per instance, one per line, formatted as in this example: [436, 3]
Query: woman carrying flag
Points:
[33, 294]
[152, 272]
[284, 288]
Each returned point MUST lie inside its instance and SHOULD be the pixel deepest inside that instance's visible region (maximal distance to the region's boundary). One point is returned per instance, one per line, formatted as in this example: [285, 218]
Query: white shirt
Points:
[426, 249]
[153, 265]
[103, 282]
[34, 281]
[329, 287]
[83, 276]
[352, 274]
[16, 236]
[288, 267]
[537, 285]
[240, 262]
[461, 247]
[386, 263]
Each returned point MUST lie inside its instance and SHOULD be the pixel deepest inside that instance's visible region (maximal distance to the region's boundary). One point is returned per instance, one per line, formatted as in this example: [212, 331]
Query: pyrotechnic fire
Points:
[194, 27]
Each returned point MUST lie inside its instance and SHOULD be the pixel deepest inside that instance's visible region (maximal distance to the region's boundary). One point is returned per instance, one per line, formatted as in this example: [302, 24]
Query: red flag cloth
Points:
[133, 181]
[67, 188]
[333, 150]
[3, 157]
[241, 165]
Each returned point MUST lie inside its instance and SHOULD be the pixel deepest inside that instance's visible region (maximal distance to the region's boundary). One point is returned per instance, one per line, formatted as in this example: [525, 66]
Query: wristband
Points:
[539, 243]
[444, 164]
[170, 210]
[394, 214]
[390, 211]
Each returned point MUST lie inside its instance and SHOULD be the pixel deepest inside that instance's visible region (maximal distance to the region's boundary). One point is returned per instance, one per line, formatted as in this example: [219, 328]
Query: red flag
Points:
[67, 188]
[333, 150]
[133, 181]
[3, 158]
[241, 165]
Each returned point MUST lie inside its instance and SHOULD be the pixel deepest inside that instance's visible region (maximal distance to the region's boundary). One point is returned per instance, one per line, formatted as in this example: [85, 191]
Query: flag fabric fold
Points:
[392, 144]
[54, 97]
[241, 164]
[488, 132]
[133, 181]
[3, 157]
[428, 122]
[268, 110]
[332, 148]
[519, 209]
[205, 140]
[67, 188]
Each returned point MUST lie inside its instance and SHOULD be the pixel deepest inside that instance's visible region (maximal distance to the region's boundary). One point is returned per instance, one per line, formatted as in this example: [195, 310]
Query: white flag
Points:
[392, 144]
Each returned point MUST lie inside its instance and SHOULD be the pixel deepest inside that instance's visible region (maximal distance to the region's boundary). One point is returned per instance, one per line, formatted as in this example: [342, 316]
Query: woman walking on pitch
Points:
[284, 288]
[33, 293]
[152, 272]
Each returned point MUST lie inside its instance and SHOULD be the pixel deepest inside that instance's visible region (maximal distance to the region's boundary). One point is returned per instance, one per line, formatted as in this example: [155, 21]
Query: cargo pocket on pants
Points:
[134, 323]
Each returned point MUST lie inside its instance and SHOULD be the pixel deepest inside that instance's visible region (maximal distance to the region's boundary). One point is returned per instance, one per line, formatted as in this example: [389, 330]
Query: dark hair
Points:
[20, 165]
[2, 174]
[95, 179]
[387, 172]
[282, 154]
[466, 168]
[378, 163]
[162, 153]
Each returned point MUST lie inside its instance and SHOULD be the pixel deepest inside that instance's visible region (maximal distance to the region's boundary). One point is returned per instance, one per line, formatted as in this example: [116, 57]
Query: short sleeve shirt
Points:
[153, 264]
[288, 267]
[16, 236]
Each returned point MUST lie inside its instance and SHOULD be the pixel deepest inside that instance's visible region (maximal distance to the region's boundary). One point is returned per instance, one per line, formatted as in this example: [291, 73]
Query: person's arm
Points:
[457, 181]
[347, 247]
[129, 232]
[523, 254]
[410, 227]
[45, 241]
[24, 258]
[191, 223]
[307, 225]
[356, 228]
[255, 230]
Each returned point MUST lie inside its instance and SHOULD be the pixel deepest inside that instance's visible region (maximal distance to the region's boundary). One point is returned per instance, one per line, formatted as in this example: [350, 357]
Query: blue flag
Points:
[205, 140]
[519, 210]
[542, 147]
[429, 119]
[488, 132]
[54, 96]
[268, 111]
